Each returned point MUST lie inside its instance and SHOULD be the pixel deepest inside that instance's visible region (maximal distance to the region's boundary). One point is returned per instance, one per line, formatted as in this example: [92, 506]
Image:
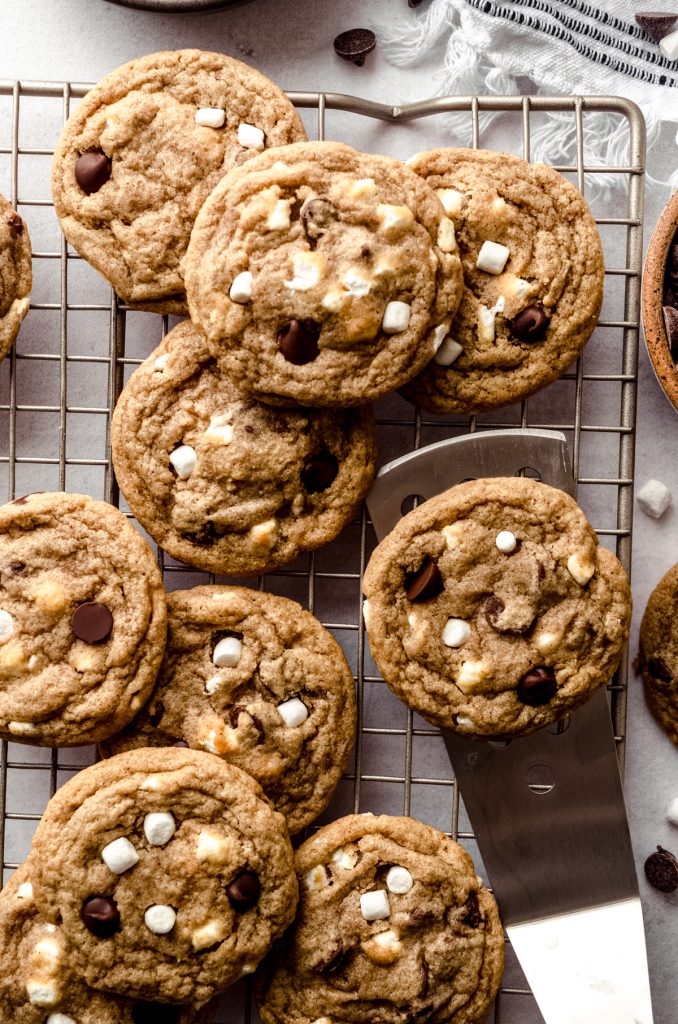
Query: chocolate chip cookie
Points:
[256, 679]
[658, 656]
[491, 609]
[169, 872]
[393, 925]
[321, 275]
[82, 620]
[16, 275]
[141, 153]
[533, 279]
[228, 484]
[37, 985]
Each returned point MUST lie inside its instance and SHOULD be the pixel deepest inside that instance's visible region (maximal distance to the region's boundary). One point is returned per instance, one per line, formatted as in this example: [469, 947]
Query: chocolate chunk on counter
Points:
[661, 869]
[657, 24]
[355, 44]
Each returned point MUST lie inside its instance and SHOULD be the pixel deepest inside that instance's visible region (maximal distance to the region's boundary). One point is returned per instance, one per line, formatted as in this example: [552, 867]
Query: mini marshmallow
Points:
[506, 542]
[447, 240]
[210, 117]
[184, 460]
[471, 674]
[464, 722]
[308, 268]
[355, 283]
[250, 137]
[6, 626]
[21, 728]
[213, 684]
[160, 919]
[546, 643]
[456, 633]
[42, 993]
[241, 288]
[264, 533]
[316, 878]
[654, 498]
[335, 300]
[119, 856]
[345, 857]
[486, 327]
[279, 217]
[396, 317]
[669, 45]
[374, 906]
[394, 217]
[399, 880]
[59, 1018]
[293, 712]
[672, 812]
[25, 891]
[228, 652]
[451, 200]
[448, 353]
[440, 333]
[159, 827]
[492, 257]
[161, 362]
[212, 847]
[384, 948]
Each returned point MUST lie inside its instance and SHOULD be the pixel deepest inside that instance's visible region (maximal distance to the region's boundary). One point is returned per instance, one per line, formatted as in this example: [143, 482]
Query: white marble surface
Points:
[291, 40]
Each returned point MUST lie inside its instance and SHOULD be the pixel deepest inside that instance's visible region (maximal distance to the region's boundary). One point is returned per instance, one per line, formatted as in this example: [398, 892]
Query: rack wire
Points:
[79, 344]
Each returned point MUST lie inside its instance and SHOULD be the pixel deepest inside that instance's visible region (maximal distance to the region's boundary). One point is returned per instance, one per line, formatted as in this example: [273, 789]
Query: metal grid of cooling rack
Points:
[79, 344]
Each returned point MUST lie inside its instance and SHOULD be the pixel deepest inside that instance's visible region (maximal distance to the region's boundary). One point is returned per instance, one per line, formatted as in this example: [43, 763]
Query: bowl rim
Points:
[178, 6]
[652, 300]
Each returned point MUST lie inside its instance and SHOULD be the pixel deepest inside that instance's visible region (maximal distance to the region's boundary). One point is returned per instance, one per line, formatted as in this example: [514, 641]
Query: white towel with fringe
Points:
[563, 47]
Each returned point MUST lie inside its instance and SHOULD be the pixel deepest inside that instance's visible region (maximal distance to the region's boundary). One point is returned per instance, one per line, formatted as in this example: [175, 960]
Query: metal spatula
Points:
[547, 810]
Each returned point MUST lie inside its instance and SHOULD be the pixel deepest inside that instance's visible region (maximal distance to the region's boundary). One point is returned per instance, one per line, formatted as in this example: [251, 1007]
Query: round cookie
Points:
[141, 153]
[223, 482]
[393, 925]
[321, 275]
[658, 655]
[170, 873]
[533, 279]
[16, 274]
[36, 982]
[256, 679]
[491, 609]
[82, 620]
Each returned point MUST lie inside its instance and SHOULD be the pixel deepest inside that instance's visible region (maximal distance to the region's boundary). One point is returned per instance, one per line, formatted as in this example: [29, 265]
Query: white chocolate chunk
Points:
[25, 891]
[672, 812]
[396, 317]
[451, 200]
[210, 117]
[498, 205]
[654, 498]
[440, 333]
[448, 353]
[154, 783]
[208, 934]
[119, 856]
[394, 218]
[33, 662]
[316, 878]
[453, 535]
[355, 282]
[212, 847]
[360, 187]
[580, 568]
[220, 430]
[499, 306]
[48, 951]
[279, 217]
[456, 633]
[464, 722]
[213, 684]
[374, 906]
[241, 288]
[227, 652]
[322, 1020]
[385, 266]
[21, 728]
[280, 165]
[486, 329]
[51, 596]
[399, 880]
[345, 857]
[161, 362]
[308, 268]
[669, 45]
[159, 827]
[6, 626]
[366, 612]
[160, 919]
[250, 137]
[471, 674]
[59, 1018]
[447, 240]
[264, 533]
[506, 542]
[184, 460]
[335, 300]
[492, 257]
[384, 948]
[247, 969]
[42, 993]
[293, 712]
[517, 288]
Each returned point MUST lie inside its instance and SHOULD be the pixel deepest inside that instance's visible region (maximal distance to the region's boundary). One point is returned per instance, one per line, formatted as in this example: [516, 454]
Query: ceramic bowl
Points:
[179, 6]
[656, 336]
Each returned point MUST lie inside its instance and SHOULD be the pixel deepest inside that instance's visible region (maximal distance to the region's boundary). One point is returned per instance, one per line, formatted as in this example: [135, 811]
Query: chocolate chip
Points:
[661, 869]
[15, 225]
[472, 916]
[658, 669]
[92, 622]
[316, 216]
[425, 583]
[493, 608]
[537, 686]
[156, 713]
[180, 743]
[17, 566]
[155, 1013]
[206, 535]
[530, 324]
[100, 916]
[355, 44]
[657, 24]
[243, 892]
[92, 170]
[319, 472]
[671, 326]
[298, 341]
[337, 959]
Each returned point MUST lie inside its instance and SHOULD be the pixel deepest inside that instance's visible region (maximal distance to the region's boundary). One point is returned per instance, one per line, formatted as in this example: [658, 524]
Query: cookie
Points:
[16, 275]
[169, 871]
[141, 153]
[533, 279]
[322, 276]
[228, 484]
[491, 610]
[658, 656]
[82, 620]
[393, 925]
[36, 982]
[256, 679]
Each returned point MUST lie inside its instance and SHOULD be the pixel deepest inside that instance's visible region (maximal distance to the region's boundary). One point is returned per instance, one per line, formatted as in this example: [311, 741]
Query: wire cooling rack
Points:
[79, 345]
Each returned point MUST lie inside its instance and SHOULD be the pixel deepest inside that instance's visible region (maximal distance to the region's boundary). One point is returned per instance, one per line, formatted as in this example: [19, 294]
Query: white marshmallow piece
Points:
[316, 878]
[464, 722]
[184, 460]
[669, 45]
[396, 317]
[366, 612]
[440, 333]
[241, 289]
[159, 827]
[355, 283]
[456, 633]
[250, 137]
[41, 993]
[654, 498]
[471, 675]
[293, 712]
[220, 430]
[486, 326]
[6, 626]
[160, 919]
[399, 880]
[25, 891]
[492, 257]
[394, 217]
[161, 362]
[279, 217]
[672, 812]
[119, 856]
[448, 353]
[228, 652]
[506, 542]
[210, 117]
[59, 1018]
[374, 906]
[451, 200]
[308, 268]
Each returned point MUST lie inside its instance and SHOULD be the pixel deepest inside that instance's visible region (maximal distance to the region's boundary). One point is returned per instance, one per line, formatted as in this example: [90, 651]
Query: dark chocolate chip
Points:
[671, 325]
[243, 892]
[319, 472]
[155, 1013]
[537, 686]
[493, 608]
[156, 713]
[337, 959]
[658, 669]
[355, 44]
[657, 24]
[472, 916]
[661, 869]
[180, 743]
[530, 324]
[15, 225]
[92, 622]
[206, 535]
[92, 170]
[17, 566]
[298, 341]
[100, 916]
[316, 216]
[425, 583]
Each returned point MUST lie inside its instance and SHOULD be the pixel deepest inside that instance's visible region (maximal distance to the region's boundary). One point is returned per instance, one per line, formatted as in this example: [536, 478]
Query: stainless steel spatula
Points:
[547, 810]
